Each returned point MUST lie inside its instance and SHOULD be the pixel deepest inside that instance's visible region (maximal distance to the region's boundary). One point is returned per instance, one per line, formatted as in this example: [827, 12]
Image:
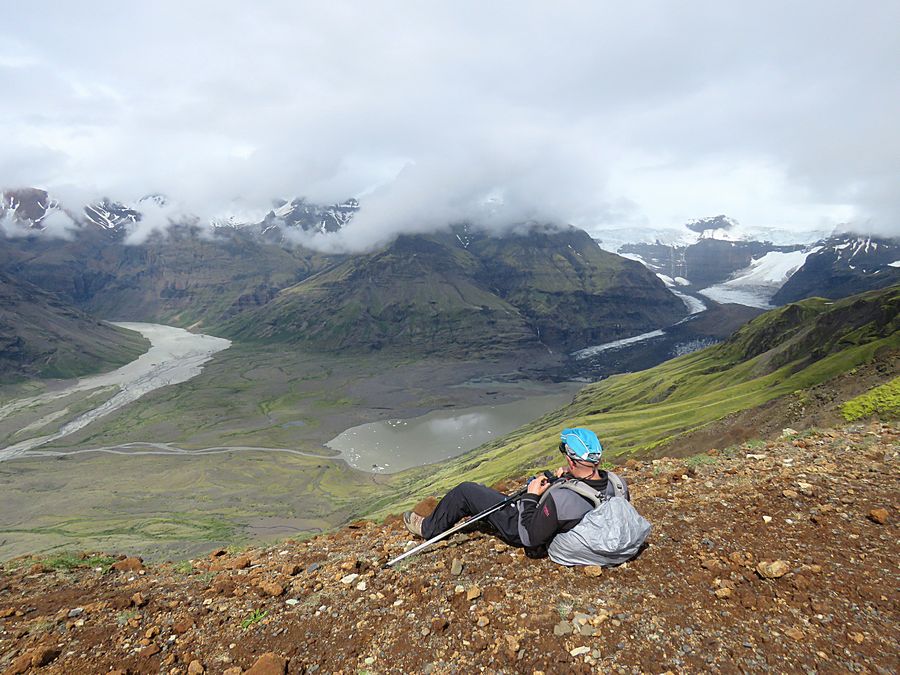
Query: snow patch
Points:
[694, 305]
[755, 285]
[616, 344]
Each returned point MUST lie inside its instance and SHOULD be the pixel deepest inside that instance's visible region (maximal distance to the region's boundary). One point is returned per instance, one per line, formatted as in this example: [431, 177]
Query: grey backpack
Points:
[610, 534]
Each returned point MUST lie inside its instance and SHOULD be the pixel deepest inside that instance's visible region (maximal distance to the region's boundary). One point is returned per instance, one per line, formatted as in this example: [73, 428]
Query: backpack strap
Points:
[578, 487]
[615, 486]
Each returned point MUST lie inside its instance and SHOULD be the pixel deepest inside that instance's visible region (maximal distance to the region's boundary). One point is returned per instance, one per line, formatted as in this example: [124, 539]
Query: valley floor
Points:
[777, 556]
[108, 486]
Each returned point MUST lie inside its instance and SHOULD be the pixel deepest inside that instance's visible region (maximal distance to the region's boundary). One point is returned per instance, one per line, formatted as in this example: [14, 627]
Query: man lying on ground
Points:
[544, 511]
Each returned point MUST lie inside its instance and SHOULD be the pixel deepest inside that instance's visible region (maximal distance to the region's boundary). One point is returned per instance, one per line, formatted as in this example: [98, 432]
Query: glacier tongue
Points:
[755, 285]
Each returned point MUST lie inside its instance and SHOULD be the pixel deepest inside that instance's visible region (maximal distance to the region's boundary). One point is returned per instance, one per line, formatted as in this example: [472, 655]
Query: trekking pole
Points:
[458, 527]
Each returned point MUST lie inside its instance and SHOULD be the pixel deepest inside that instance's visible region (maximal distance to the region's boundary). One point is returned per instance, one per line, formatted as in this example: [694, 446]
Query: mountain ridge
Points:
[42, 336]
[432, 292]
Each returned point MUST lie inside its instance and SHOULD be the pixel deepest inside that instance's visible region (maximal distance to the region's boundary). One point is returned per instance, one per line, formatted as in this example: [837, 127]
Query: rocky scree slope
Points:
[774, 556]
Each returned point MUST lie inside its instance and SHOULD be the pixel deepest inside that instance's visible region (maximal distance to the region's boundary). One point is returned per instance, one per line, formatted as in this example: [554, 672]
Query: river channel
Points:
[175, 356]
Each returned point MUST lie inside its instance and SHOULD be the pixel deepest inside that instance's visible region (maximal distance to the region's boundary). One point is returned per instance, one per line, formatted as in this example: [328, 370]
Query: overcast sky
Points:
[777, 114]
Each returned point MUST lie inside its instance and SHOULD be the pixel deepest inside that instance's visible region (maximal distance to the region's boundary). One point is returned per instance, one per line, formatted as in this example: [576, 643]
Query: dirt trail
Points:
[772, 557]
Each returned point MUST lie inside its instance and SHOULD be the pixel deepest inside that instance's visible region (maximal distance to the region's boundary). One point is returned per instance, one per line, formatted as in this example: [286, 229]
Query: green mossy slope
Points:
[789, 349]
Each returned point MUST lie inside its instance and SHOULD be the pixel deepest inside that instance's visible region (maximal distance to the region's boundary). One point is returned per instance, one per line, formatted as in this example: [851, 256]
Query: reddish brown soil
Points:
[824, 503]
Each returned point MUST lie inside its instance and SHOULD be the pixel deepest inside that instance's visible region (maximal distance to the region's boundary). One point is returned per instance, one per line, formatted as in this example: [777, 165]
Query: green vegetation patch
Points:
[254, 617]
[777, 355]
[68, 561]
[883, 401]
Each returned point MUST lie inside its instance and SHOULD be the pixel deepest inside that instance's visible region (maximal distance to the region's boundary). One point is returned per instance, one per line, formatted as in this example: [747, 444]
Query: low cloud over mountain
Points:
[493, 114]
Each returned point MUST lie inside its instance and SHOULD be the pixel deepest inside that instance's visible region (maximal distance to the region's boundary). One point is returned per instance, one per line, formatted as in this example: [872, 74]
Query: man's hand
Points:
[538, 486]
[560, 472]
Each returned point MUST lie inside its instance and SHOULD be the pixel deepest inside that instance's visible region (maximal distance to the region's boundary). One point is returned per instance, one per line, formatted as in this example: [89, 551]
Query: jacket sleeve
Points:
[537, 525]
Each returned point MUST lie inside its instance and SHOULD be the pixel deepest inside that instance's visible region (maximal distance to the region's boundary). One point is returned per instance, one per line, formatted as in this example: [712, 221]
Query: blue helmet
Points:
[581, 445]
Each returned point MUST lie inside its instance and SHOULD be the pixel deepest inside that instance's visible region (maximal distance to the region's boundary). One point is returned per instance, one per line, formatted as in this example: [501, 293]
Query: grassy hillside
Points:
[184, 278]
[783, 351]
[462, 293]
[416, 295]
[41, 336]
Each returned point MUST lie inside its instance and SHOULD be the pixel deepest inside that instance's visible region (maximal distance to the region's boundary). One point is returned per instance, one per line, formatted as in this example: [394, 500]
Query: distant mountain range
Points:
[730, 269]
[459, 292]
[842, 266]
[29, 209]
[464, 292]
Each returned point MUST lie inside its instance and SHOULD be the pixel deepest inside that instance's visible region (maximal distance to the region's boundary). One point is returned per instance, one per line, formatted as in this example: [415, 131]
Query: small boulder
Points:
[794, 633]
[20, 665]
[150, 650]
[195, 668]
[138, 599]
[132, 564]
[562, 628]
[182, 626]
[456, 567]
[41, 656]
[473, 593]
[239, 563]
[271, 588]
[773, 570]
[593, 570]
[879, 516]
[290, 569]
[268, 664]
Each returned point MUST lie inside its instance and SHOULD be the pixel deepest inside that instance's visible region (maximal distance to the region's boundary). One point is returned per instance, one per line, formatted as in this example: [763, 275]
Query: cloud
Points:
[59, 225]
[646, 114]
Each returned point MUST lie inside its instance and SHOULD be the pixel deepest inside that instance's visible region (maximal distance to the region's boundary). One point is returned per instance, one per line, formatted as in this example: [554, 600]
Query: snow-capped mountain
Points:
[28, 209]
[707, 262]
[111, 216]
[844, 265]
[309, 217]
[28, 206]
[721, 228]
[756, 285]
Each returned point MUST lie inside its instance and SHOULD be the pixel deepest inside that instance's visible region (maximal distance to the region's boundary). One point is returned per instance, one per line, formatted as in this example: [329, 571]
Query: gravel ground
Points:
[777, 556]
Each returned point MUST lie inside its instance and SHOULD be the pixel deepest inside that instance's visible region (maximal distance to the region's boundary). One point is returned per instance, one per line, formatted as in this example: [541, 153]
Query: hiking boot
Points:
[413, 522]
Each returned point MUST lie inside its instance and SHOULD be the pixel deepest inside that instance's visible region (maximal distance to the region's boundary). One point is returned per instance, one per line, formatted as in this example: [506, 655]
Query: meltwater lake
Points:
[394, 445]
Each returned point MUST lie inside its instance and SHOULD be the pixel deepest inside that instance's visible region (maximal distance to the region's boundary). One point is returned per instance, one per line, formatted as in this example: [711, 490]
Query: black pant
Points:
[467, 499]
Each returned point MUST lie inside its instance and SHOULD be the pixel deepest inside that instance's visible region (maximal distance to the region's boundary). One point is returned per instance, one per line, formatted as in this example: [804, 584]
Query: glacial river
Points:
[175, 356]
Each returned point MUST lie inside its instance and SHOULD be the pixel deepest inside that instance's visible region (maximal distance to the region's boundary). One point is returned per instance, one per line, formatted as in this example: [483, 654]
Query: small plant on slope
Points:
[883, 401]
[255, 617]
